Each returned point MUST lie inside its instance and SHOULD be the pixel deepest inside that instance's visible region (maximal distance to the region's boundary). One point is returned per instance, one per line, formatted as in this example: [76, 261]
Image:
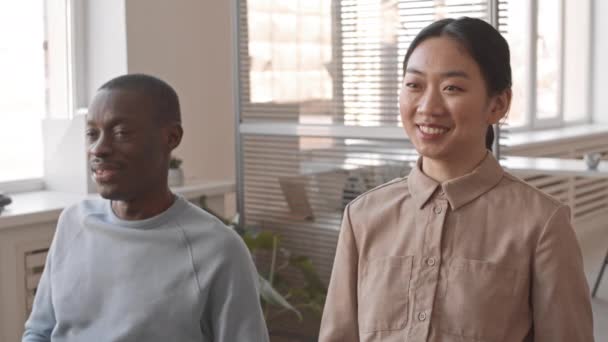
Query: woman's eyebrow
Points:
[446, 74]
[413, 71]
[454, 73]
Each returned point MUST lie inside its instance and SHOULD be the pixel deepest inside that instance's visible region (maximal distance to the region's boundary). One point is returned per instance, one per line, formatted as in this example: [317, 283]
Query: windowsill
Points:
[515, 139]
[553, 166]
[25, 185]
[563, 134]
[46, 206]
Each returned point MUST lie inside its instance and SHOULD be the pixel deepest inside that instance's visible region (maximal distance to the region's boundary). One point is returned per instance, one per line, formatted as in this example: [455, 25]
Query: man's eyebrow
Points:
[111, 123]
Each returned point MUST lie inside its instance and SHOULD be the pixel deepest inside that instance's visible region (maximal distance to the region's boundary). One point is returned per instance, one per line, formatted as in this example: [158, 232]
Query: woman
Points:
[460, 250]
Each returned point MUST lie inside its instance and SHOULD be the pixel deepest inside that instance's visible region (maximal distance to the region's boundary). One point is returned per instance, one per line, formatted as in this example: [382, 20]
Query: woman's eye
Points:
[412, 85]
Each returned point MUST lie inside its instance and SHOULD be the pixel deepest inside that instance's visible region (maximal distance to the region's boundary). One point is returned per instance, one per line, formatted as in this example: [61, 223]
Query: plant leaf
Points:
[271, 296]
[305, 265]
[249, 242]
[264, 240]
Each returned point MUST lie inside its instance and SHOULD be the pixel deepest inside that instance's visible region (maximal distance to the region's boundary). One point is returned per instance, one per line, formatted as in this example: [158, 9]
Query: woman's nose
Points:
[431, 103]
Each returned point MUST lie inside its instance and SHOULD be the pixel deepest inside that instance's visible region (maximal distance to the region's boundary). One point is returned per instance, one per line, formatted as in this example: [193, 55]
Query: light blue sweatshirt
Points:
[179, 276]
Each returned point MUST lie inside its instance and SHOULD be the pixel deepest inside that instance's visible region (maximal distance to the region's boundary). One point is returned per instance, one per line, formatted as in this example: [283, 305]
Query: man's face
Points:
[126, 147]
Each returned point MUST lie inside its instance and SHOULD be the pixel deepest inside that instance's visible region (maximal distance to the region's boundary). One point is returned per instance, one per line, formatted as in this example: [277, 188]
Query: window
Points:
[288, 61]
[341, 135]
[289, 47]
[35, 83]
[339, 61]
[550, 54]
[374, 38]
[331, 62]
[23, 86]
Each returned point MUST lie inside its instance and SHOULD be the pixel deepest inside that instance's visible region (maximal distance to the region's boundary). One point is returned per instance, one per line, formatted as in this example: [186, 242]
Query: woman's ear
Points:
[500, 106]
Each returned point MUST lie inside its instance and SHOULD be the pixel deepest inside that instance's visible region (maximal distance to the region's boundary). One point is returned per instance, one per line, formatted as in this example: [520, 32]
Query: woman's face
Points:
[444, 102]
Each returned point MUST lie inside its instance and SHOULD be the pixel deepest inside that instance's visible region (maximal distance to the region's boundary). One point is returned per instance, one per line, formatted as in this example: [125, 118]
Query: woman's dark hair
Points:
[485, 45]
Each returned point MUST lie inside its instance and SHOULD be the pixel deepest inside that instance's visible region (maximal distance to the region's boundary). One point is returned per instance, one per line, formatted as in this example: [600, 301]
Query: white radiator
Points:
[588, 197]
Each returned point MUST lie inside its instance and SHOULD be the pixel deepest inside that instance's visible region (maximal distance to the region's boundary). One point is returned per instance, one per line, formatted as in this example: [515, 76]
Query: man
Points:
[142, 264]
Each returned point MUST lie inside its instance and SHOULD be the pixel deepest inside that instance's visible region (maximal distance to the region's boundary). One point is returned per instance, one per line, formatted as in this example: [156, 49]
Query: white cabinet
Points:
[22, 256]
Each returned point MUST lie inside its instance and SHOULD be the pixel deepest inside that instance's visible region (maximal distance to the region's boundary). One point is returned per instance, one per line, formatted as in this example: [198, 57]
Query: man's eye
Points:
[452, 88]
[91, 134]
[121, 134]
[412, 85]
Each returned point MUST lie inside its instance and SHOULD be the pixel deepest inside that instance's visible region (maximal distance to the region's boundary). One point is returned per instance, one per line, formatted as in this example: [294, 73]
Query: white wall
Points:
[600, 66]
[105, 44]
[188, 43]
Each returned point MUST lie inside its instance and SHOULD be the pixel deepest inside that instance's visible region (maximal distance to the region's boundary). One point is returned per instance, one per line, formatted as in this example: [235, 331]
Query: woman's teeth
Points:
[432, 130]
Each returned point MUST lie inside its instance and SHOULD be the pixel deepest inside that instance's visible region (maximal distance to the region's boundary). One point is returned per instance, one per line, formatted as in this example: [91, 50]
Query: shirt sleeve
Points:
[560, 294]
[235, 312]
[40, 324]
[340, 319]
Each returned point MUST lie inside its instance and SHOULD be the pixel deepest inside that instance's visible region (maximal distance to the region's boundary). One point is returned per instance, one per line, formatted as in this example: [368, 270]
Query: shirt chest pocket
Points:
[478, 300]
[383, 294]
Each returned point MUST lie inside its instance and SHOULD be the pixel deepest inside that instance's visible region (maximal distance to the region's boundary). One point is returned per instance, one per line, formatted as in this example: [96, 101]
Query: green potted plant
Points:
[176, 174]
[280, 297]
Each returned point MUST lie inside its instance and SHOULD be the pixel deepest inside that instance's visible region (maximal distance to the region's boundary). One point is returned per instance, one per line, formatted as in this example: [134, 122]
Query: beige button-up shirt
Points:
[482, 258]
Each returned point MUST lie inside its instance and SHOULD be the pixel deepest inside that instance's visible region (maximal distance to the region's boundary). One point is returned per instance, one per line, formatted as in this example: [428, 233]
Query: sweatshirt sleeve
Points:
[40, 324]
[235, 310]
[560, 295]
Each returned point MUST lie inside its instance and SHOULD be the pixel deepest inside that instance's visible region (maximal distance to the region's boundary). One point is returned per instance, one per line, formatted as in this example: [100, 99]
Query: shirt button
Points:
[437, 210]
[422, 316]
[430, 262]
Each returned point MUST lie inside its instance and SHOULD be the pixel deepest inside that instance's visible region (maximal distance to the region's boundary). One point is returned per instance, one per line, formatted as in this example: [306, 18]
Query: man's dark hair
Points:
[161, 94]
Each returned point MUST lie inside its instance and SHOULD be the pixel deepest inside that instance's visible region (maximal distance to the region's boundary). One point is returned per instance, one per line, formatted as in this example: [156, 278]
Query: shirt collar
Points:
[459, 191]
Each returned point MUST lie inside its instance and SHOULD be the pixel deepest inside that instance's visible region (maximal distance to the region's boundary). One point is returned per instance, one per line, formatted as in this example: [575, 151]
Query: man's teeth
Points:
[432, 130]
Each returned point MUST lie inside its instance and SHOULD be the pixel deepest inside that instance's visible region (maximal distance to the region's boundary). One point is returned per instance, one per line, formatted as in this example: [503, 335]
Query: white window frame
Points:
[533, 122]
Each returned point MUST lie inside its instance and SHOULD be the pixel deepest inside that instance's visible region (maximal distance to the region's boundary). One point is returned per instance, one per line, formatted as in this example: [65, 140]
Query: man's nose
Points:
[100, 147]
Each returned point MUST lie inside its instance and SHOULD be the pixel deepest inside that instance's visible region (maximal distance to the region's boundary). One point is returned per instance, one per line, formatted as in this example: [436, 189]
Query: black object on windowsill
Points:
[4, 201]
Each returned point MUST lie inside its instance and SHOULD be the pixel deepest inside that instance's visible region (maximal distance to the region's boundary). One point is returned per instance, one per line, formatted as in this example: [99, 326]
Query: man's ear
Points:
[500, 106]
[174, 134]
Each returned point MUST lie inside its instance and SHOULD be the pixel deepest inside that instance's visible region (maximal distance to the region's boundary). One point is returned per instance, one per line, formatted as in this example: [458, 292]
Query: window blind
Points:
[331, 62]
[298, 186]
[323, 64]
